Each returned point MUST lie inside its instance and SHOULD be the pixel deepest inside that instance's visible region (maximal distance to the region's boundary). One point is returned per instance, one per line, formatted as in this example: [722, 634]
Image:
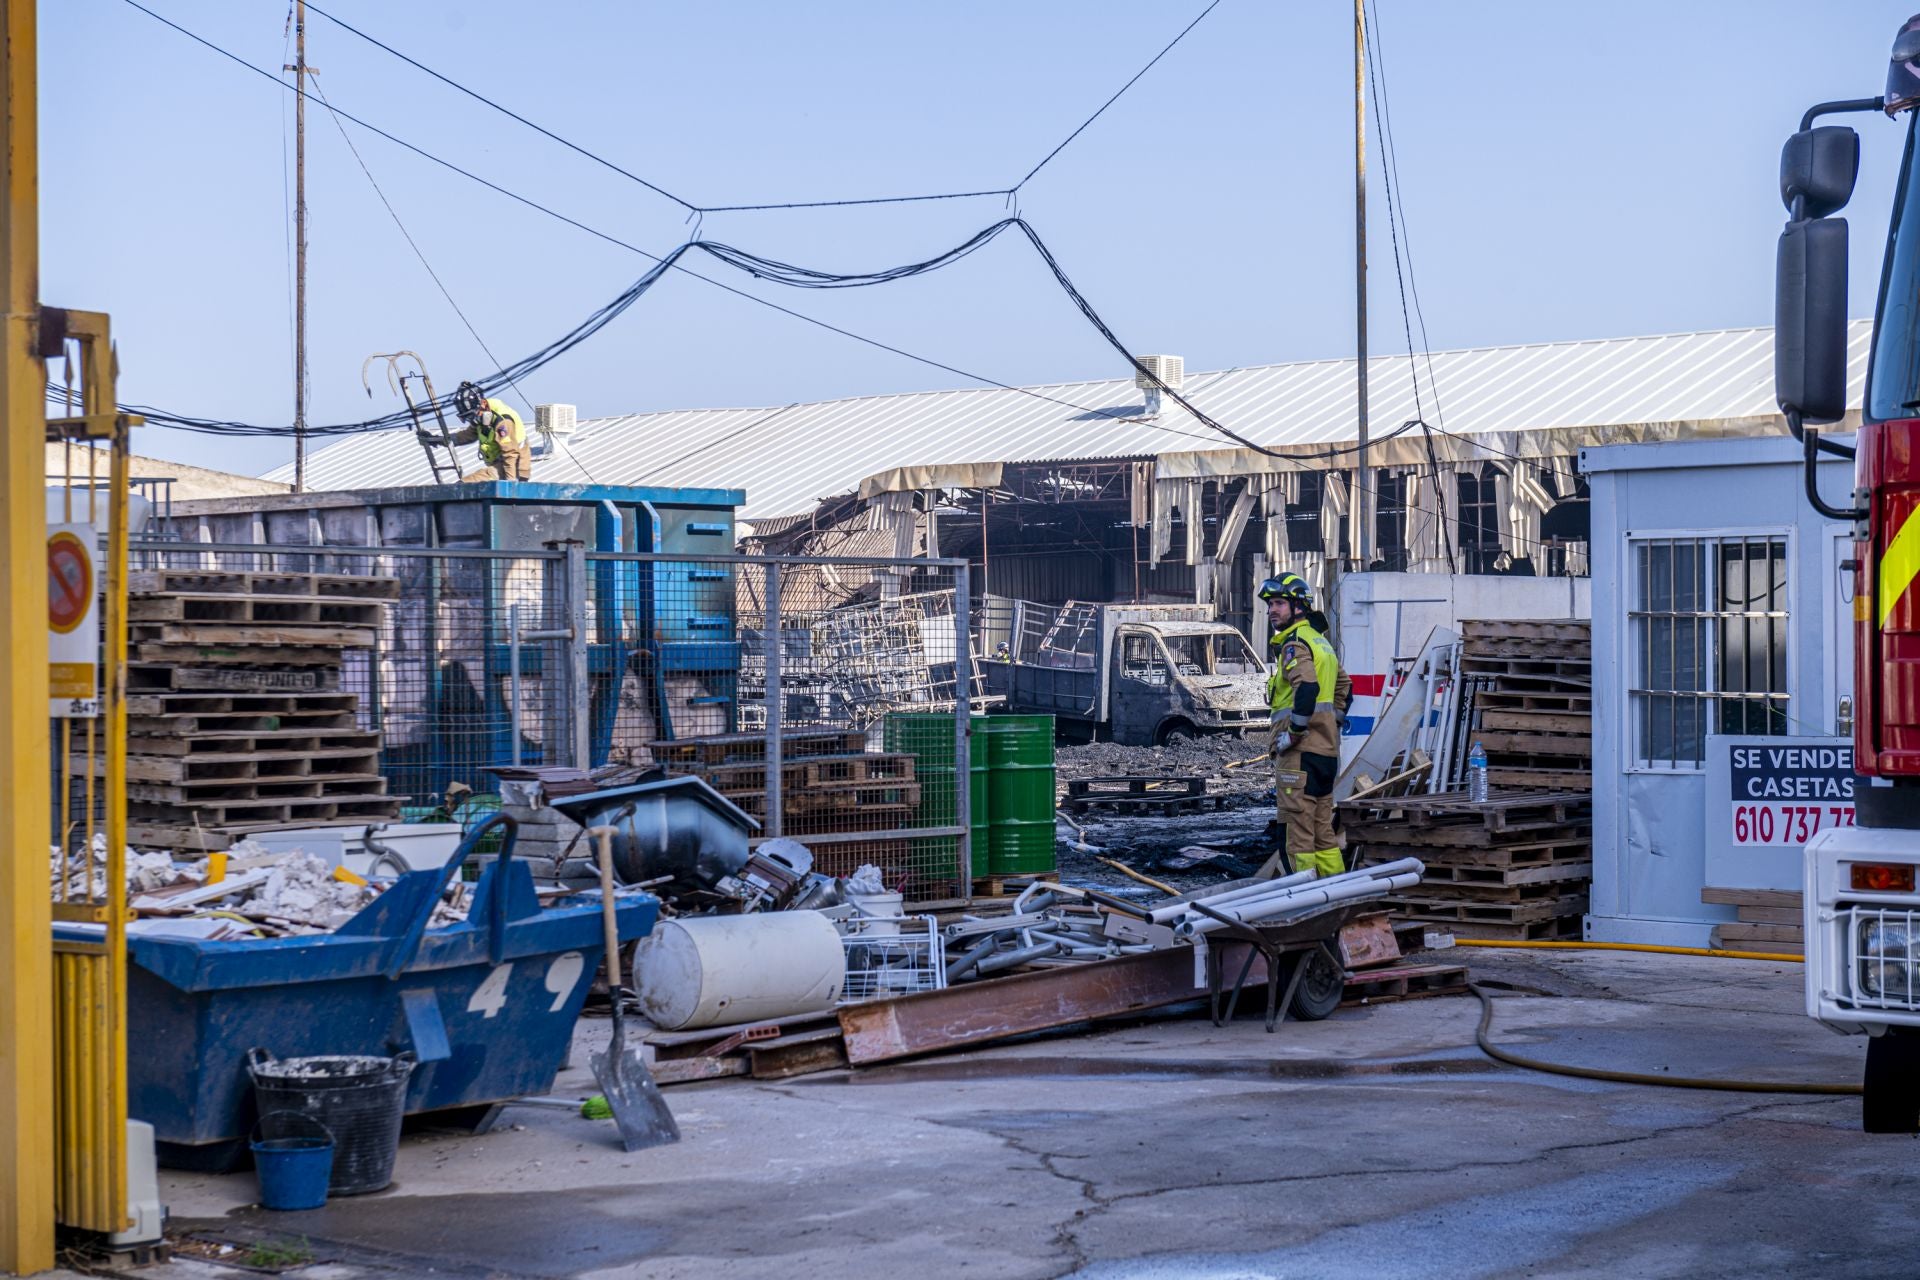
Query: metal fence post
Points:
[579, 678]
[513, 675]
[775, 700]
[963, 730]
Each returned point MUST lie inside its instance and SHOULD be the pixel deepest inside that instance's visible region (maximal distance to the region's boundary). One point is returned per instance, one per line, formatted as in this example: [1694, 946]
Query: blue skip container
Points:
[293, 1172]
[487, 1005]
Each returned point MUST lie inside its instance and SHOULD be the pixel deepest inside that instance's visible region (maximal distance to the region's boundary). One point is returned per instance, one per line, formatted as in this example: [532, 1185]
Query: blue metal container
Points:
[488, 1005]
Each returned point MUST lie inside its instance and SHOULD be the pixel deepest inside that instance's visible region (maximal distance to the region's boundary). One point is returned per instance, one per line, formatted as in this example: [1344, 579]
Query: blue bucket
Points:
[293, 1172]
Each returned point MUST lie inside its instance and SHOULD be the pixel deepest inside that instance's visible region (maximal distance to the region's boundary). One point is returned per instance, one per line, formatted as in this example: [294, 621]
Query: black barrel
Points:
[358, 1097]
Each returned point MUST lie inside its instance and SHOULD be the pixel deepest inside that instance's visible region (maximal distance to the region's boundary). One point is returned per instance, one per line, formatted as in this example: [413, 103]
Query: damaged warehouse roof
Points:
[790, 457]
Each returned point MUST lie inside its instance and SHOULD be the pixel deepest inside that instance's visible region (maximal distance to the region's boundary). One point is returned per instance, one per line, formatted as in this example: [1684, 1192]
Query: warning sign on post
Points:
[73, 627]
[1787, 794]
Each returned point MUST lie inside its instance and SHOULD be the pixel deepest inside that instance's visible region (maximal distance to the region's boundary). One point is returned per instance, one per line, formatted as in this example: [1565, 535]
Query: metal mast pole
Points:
[299, 69]
[1361, 506]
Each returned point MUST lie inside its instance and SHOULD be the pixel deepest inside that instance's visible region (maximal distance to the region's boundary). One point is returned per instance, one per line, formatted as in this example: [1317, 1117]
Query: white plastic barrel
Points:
[706, 971]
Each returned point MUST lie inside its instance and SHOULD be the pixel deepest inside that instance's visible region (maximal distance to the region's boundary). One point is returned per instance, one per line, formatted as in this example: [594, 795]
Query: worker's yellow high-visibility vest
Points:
[499, 431]
[1326, 668]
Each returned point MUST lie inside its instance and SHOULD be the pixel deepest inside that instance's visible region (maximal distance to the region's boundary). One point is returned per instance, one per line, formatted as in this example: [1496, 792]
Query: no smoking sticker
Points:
[69, 582]
[73, 637]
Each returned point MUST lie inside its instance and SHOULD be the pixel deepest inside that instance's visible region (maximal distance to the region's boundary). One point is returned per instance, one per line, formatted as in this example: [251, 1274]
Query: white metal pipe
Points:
[1173, 910]
[1311, 900]
[1288, 888]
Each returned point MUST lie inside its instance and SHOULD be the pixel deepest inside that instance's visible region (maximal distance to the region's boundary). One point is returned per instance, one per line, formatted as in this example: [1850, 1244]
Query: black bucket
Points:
[359, 1098]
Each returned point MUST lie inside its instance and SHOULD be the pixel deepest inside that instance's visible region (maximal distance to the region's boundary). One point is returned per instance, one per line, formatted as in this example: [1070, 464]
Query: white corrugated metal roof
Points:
[789, 457]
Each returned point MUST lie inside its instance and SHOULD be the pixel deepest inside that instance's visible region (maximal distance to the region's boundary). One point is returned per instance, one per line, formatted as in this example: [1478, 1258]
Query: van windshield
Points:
[1225, 654]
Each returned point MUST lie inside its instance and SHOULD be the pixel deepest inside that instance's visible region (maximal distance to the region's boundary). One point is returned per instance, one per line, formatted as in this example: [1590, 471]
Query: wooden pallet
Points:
[1447, 839]
[833, 798]
[1136, 795]
[808, 771]
[1537, 722]
[1405, 982]
[167, 677]
[1549, 630]
[218, 634]
[1535, 776]
[218, 790]
[1500, 812]
[1497, 892]
[732, 747]
[1559, 702]
[1558, 929]
[1505, 744]
[1465, 874]
[256, 610]
[1418, 904]
[240, 767]
[1009, 886]
[214, 722]
[165, 704]
[265, 742]
[277, 582]
[1551, 672]
[239, 655]
[265, 813]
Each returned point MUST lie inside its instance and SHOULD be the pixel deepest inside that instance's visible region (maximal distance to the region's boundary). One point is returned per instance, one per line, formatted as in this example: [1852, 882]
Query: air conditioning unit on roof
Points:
[1171, 370]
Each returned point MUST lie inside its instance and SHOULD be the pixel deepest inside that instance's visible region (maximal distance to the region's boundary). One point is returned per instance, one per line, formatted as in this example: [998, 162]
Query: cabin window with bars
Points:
[1479, 523]
[1390, 521]
[1709, 644]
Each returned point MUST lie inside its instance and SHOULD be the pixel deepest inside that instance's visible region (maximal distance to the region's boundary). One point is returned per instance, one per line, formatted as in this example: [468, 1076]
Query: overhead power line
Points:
[693, 207]
[1048, 158]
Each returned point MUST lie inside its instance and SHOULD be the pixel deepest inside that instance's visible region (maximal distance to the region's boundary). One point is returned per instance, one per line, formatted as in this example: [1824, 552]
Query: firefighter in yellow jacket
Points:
[1309, 695]
[499, 431]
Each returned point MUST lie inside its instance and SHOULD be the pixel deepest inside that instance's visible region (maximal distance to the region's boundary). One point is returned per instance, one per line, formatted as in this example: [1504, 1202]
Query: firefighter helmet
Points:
[1290, 587]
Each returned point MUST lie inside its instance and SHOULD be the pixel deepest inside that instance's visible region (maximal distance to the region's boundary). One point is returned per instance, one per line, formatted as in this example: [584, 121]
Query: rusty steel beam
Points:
[980, 1012]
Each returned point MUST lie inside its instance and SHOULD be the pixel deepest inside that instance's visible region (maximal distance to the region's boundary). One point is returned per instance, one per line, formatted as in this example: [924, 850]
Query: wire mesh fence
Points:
[825, 698]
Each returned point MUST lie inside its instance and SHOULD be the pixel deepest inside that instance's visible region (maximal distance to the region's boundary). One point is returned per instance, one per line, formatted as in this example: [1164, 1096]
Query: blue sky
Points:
[1569, 171]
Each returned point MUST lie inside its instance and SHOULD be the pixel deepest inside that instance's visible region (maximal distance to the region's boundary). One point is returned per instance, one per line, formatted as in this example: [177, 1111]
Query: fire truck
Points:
[1862, 905]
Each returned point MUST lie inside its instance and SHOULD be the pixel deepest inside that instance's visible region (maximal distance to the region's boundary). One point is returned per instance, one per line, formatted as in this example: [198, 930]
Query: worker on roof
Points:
[498, 430]
[1309, 695]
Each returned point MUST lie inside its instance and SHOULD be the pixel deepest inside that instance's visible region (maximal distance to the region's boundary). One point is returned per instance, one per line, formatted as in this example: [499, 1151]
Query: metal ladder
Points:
[447, 470]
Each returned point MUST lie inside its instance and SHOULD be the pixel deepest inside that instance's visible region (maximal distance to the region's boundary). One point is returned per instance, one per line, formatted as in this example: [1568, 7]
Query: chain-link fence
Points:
[825, 698]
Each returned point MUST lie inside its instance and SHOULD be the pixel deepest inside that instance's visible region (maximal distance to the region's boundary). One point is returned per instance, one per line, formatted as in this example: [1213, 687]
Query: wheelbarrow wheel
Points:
[1321, 986]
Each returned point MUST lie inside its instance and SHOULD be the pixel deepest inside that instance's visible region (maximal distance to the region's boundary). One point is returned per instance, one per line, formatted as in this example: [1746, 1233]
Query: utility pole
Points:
[1361, 507]
[299, 69]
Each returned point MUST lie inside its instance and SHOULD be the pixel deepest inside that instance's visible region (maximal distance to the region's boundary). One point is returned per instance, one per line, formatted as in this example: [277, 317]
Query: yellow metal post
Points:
[26, 958]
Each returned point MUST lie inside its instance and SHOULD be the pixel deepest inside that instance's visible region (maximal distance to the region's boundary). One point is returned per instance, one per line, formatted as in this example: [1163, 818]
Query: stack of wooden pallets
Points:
[829, 784]
[235, 719]
[1517, 867]
[1531, 684]
[1768, 920]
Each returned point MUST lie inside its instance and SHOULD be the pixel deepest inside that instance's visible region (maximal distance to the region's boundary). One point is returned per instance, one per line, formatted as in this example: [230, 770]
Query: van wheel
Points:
[1175, 731]
[1890, 1101]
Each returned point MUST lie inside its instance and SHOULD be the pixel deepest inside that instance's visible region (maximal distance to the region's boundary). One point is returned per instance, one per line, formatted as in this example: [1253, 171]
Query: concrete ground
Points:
[1379, 1143]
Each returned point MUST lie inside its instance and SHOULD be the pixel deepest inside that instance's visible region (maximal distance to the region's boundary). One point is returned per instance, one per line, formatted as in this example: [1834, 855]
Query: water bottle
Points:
[1477, 774]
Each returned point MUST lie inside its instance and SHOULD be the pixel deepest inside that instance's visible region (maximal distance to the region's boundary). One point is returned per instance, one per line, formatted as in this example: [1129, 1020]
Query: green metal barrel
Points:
[1020, 795]
[928, 738]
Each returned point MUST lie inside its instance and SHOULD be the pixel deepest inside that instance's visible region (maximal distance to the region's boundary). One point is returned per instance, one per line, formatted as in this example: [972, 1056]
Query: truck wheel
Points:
[1174, 731]
[1890, 1101]
[1321, 986]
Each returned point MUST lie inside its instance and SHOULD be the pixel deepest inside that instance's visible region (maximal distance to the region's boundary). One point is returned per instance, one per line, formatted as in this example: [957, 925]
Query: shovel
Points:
[629, 1087]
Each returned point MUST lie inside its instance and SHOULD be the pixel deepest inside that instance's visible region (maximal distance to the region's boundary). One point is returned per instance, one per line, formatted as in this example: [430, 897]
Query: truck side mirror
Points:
[1819, 166]
[1810, 319]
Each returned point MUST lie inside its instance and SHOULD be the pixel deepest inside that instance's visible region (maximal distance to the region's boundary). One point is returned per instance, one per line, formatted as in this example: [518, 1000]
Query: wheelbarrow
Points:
[488, 1005]
[1302, 953]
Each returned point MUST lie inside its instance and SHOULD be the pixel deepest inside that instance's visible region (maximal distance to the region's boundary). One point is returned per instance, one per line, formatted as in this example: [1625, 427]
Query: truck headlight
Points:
[1883, 950]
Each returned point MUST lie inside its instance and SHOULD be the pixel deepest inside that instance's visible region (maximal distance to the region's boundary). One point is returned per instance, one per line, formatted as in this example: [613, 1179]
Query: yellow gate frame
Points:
[90, 978]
